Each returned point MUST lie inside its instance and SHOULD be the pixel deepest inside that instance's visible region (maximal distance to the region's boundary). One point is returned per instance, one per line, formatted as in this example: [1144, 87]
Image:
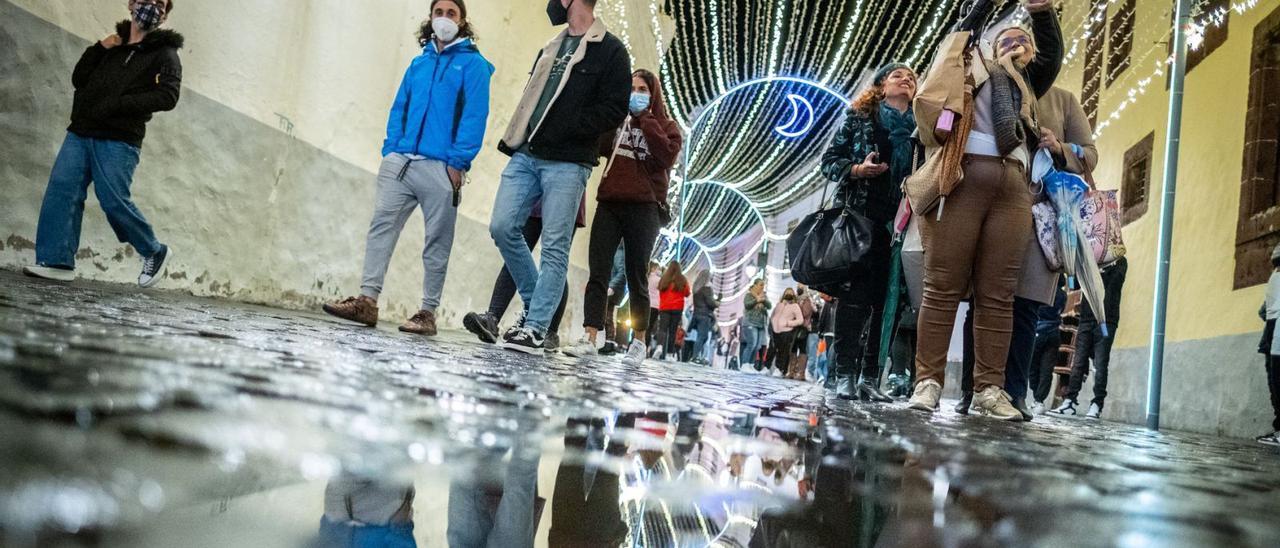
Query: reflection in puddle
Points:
[644, 480]
[360, 512]
[160, 420]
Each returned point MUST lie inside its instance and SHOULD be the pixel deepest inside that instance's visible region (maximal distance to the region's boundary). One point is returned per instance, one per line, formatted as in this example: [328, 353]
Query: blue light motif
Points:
[801, 110]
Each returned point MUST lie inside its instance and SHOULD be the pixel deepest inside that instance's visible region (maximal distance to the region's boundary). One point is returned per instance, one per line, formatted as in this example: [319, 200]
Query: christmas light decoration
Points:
[801, 118]
[1195, 28]
[759, 89]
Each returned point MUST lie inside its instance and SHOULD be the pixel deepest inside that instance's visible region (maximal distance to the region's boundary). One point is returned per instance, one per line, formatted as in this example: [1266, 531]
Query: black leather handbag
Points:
[829, 250]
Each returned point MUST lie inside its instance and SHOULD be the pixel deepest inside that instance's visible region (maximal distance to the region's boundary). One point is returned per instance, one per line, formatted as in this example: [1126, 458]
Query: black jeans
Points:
[1091, 344]
[1021, 345]
[969, 358]
[1044, 357]
[782, 355]
[1273, 382]
[668, 323]
[635, 226]
[504, 288]
[1017, 368]
[858, 325]
[704, 325]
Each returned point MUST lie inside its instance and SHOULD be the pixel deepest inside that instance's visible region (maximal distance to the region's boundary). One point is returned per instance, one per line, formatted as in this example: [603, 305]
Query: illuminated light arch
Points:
[803, 119]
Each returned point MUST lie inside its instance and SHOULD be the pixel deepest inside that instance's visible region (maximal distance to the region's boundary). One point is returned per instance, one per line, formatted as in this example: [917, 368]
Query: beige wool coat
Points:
[1060, 112]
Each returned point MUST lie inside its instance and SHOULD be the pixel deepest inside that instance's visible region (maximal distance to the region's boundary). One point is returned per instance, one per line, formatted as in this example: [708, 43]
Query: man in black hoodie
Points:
[119, 83]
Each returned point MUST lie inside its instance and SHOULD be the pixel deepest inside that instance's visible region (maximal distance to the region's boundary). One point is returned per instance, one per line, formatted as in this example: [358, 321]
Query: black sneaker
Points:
[524, 340]
[153, 267]
[1269, 439]
[483, 326]
[517, 326]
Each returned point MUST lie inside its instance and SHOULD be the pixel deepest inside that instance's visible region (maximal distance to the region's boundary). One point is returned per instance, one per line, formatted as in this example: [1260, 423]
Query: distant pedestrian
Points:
[1269, 347]
[1093, 344]
[755, 317]
[786, 319]
[705, 305]
[673, 288]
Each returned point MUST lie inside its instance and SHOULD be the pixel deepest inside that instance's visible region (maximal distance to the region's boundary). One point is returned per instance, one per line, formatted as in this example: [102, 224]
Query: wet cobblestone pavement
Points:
[155, 419]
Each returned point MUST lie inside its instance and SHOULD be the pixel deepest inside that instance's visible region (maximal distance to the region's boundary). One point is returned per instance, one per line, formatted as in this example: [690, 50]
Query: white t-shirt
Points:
[1273, 308]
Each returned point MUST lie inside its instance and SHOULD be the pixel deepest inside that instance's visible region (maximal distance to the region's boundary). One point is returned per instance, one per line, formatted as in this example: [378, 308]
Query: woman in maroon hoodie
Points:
[632, 204]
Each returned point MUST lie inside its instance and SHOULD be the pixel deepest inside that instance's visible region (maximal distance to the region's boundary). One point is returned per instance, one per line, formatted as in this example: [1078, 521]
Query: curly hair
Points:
[869, 100]
[465, 30]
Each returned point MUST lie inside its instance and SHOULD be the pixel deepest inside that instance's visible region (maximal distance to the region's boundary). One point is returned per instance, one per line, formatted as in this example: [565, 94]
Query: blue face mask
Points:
[639, 102]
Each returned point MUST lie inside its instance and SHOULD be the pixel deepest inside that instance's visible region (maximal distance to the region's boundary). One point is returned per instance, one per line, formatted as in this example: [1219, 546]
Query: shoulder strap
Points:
[617, 142]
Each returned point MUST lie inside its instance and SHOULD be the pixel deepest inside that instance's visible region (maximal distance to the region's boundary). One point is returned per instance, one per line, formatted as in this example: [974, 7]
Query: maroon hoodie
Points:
[640, 171]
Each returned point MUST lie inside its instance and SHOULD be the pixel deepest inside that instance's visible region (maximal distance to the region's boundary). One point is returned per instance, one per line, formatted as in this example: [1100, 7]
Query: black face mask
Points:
[557, 13]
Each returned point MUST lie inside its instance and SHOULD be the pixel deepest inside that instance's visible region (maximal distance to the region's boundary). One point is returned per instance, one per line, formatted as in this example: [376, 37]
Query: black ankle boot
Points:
[867, 392]
[966, 400]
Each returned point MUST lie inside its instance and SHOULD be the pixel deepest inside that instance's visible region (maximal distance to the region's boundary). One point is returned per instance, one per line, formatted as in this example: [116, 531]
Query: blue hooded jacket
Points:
[442, 108]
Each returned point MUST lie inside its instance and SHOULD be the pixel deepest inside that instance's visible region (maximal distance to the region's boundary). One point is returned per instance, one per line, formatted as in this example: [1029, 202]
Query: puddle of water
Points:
[161, 420]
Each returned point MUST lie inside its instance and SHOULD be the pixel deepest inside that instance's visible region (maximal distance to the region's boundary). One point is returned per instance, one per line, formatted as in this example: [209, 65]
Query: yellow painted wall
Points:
[1202, 303]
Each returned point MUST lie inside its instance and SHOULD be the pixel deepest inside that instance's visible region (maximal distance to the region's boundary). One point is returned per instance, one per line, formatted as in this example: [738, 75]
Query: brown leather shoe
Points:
[360, 309]
[422, 323]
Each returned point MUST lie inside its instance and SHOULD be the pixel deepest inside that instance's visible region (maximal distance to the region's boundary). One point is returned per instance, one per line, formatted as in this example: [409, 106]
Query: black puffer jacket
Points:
[118, 89]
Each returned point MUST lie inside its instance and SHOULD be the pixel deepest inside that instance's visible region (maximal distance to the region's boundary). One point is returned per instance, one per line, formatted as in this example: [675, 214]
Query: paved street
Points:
[158, 419]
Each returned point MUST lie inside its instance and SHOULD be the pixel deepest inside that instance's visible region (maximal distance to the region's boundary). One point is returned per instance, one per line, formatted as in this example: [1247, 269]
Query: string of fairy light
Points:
[738, 180]
[1195, 39]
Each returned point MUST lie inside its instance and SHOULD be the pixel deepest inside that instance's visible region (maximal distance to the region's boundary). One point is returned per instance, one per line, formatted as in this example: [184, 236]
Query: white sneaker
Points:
[1067, 409]
[635, 353]
[153, 268]
[581, 349]
[47, 273]
[657, 352]
[1037, 408]
[926, 396]
[1095, 411]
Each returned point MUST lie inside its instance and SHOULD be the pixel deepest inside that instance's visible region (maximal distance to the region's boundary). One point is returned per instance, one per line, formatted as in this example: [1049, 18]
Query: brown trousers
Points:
[978, 245]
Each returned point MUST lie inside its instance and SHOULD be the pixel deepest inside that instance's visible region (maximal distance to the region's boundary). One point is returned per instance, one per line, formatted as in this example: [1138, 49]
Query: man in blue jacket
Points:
[435, 130]
[578, 90]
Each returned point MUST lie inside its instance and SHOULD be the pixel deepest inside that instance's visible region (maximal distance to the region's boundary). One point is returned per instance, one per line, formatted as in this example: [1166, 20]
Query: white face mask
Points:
[445, 29]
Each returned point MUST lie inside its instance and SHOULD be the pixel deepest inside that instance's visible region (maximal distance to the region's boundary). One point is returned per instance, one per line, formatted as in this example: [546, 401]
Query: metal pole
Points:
[1173, 140]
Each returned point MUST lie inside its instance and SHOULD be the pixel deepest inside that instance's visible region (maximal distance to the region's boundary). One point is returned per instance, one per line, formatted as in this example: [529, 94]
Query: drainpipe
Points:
[1172, 142]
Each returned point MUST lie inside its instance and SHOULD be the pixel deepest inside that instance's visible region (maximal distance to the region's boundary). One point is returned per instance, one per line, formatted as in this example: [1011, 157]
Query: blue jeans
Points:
[109, 165]
[811, 350]
[476, 522]
[559, 185]
[752, 339]
[703, 325]
[1022, 342]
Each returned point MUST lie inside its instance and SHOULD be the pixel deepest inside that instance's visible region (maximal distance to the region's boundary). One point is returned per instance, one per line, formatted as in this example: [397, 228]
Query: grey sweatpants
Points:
[403, 185]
